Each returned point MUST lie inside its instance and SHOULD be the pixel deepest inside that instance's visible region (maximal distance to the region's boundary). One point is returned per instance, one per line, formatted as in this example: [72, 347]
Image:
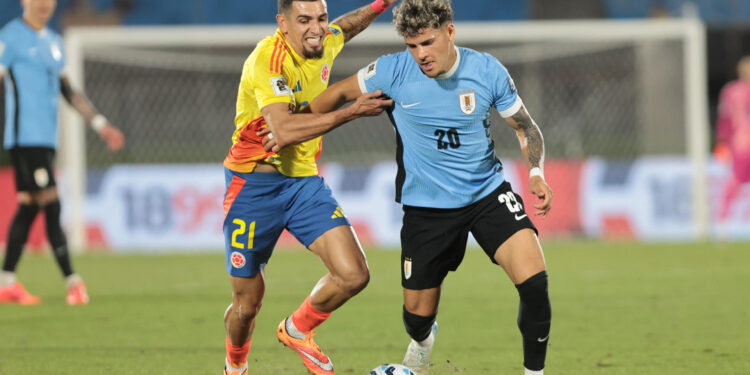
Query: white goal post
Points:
[689, 32]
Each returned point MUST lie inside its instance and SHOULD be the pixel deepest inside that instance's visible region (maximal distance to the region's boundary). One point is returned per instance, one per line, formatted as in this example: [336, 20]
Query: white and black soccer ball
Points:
[391, 369]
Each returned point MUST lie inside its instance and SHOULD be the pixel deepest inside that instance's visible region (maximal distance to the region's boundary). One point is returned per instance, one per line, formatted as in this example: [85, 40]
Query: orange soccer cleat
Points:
[18, 295]
[77, 294]
[316, 362]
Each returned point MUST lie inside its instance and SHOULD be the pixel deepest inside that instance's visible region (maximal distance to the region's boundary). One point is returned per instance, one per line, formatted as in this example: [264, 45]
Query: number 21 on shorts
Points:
[242, 226]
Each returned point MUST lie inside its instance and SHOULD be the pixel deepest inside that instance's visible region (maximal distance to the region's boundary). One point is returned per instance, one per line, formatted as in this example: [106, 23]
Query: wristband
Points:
[98, 122]
[536, 171]
[378, 7]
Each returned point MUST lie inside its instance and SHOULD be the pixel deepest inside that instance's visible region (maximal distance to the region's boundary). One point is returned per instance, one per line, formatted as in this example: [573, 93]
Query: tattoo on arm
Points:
[77, 100]
[534, 142]
[355, 21]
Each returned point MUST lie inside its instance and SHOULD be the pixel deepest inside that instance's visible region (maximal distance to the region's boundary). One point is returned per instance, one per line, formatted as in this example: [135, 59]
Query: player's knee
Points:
[535, 304]
[246, 306]
[353, 282]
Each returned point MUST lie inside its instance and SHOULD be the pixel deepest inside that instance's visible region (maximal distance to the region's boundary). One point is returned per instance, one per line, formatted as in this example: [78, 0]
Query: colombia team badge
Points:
[467, 101]
[238, 260]
[324, 73]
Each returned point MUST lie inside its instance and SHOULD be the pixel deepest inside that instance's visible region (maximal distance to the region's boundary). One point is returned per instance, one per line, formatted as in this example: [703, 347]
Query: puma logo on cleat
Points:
[328, 366]
[519, 217]
[543, 340]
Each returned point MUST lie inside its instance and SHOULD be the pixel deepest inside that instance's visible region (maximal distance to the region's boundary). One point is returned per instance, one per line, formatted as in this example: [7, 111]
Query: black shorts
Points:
[433, 241]
[33, 167]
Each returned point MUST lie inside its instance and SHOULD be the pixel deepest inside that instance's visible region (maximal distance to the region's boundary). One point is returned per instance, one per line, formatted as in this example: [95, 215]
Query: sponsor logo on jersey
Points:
[512, 86]
[56, 51]
[297, 87]
[467, 101]
[280, 87]
[407, 268]
[324, 73]
[238, 260]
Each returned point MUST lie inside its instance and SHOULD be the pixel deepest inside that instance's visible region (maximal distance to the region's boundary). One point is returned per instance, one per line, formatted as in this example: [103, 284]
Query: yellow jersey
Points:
[274, 73]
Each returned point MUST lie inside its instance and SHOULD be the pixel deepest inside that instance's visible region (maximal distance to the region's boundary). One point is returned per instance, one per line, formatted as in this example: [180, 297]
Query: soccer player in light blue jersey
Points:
[32, 61]
[449, 179]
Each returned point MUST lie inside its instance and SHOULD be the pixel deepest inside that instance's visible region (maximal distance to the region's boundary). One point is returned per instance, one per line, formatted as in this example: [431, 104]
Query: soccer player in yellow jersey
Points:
[268, 192]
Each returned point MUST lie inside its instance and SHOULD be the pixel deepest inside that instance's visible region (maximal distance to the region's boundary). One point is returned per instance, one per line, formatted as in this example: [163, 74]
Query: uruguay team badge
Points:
[467, 101]
[238, 260]
[407, 268]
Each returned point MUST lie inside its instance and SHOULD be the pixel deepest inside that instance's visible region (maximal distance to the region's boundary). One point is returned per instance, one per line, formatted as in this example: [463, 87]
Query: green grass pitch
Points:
[618, 308]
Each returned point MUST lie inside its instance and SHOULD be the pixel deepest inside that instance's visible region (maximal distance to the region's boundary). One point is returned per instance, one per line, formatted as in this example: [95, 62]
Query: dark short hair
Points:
[284, 5]
[413, 15]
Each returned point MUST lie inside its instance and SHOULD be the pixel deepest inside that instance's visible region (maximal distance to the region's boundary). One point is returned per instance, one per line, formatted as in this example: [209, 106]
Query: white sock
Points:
[72, 280]
[292, 330]
[7, 278]
[531, 372]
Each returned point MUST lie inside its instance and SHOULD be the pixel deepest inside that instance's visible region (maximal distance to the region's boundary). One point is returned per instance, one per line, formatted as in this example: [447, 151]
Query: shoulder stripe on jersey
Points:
[16, 117]
[401, 171]
[280, 66]
[275, 48]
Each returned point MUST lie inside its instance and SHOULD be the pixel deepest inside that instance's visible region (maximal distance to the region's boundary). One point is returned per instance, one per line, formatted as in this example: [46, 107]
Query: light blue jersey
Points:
[445, 156]
[31, 62]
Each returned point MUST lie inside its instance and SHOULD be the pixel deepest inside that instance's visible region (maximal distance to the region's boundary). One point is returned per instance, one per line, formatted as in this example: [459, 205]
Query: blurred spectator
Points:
[733, 133]
[555, 9]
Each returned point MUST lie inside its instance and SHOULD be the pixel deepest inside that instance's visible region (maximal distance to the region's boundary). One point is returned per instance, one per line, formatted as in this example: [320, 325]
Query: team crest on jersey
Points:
[407, 268]
[280, 87]
[324, 73]
[56, 51]
[467, 101]
[371, 70]
[238, 260]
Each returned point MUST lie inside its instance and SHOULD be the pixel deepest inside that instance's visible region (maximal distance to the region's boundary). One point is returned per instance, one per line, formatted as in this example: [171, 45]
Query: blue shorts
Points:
[259, 206]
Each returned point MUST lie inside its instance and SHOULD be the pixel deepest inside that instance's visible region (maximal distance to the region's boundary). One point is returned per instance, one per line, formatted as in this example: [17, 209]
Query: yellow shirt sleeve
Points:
[335, 40]
[266, 78]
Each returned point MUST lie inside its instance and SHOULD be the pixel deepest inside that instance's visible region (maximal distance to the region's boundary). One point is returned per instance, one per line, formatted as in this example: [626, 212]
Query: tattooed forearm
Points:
[532, 142]
[355, 21]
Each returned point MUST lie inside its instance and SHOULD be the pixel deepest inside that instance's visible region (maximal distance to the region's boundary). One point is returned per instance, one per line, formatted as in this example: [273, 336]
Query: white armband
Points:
[536, 171]
[98, 122]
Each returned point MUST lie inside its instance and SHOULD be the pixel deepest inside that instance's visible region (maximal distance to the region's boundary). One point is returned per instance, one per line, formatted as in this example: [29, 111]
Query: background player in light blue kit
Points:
[31, 65]
[449, 179]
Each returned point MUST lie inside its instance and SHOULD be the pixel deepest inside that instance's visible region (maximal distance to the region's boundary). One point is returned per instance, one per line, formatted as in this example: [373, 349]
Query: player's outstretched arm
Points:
[108, 132]
[285, 128]
[357, 20]
[532, 146]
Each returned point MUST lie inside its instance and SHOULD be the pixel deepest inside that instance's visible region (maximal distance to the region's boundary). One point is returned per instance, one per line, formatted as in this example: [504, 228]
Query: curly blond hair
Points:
[413, 15]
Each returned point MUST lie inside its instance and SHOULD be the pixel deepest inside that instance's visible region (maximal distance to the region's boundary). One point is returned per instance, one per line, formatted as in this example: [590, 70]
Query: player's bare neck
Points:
[37, 25]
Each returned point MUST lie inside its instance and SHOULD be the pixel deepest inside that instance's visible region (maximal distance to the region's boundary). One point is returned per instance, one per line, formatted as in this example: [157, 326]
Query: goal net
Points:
[609, 97]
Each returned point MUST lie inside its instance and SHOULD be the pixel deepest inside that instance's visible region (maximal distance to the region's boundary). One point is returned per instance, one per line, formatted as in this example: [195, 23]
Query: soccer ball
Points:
[391, 369]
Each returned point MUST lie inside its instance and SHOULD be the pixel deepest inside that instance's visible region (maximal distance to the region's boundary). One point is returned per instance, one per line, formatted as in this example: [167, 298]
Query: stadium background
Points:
[625, 300]
[612, 119]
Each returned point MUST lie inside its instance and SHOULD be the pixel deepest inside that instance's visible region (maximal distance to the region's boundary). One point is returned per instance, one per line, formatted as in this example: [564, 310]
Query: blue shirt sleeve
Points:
[379, 75]
[505, 99]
